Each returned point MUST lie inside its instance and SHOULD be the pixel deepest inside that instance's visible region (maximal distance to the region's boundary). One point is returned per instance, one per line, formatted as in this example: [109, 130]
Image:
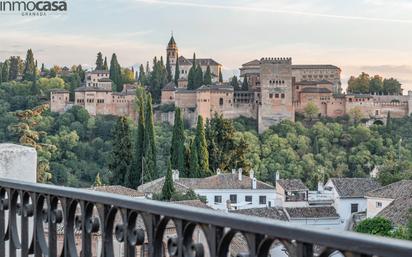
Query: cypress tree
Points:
[193, 171]
[315, 145]
[115, 73]
[99, 61]
[5, 71]
[150, 172]
[139, 164]
[220, 76]
[388, 122]
[29, 66]
[168, 71]
[34, 90]
[198, 77]
[245, 85]
[191, 77]
[177, 158]
[121, 155]
[14, 67]
[201, 148]
[168, 188]
[105, 66]
[177, 73]
[235, 83]
[142, 75]
[207, 79]
[1, 73]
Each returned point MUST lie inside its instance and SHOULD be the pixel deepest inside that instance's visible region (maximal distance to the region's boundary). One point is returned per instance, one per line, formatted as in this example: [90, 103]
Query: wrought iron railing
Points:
[44, 220]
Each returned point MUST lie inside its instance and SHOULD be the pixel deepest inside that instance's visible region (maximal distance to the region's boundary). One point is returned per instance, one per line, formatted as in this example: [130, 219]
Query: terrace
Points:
[31, 216]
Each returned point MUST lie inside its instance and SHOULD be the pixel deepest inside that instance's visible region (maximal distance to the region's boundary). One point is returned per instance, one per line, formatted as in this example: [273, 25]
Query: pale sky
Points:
[357, 35]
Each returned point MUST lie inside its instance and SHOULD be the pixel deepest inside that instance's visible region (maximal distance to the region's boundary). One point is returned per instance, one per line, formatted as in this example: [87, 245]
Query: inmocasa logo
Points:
[33, 8]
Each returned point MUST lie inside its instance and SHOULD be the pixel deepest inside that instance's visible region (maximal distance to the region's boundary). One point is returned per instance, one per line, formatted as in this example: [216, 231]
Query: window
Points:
[233, 198]
[248, 198]
[218, 199]
[354, 207]
[378, 204]
[282, 95]
[262, 199]
[220, 101]
[276, 95]
[270, 95]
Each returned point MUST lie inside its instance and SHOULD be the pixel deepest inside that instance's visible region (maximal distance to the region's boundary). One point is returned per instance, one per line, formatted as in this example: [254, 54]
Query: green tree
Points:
[99, 62]
[375, 226]
[177, 150]
[15, 67]
[136, 176]
[105, 66]
[220, 76]
[98, 181]
[207, 79]
[116, 73]
[245, 85]
[169, 74]
[356, 115]
[177, 73]
[5, 71]
[201, 148]
[392, 87]
[142, 75]
[194, 171]
[376, 85]
[168, 188]
[191, 77]
[311, 110]
[29, 66]
[150, 172]
[359, 85]
[121, 155]
[234, 82]
[199, 76]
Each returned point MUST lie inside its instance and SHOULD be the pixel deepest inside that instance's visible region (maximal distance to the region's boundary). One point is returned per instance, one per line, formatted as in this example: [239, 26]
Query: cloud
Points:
[251, 8]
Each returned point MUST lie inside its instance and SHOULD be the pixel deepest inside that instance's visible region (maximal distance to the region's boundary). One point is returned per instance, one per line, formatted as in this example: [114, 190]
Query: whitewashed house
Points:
[392, 201]
[223, 191]
[349, 195]
[292, 192]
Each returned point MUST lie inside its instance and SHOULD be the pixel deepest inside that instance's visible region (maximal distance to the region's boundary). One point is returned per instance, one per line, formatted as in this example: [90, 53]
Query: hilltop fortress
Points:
[277, 89]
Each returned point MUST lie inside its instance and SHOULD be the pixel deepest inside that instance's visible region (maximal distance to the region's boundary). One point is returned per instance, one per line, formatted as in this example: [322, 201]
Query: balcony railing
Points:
[31, 216]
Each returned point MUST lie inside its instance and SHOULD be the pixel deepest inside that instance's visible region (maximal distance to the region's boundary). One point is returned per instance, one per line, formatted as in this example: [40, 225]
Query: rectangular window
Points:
[233, 198]
[378, 204]
[282, 95]
[271, 96]
[218, 199]
[248, 198]
[354, 207]
[262, 199]
[276, 95]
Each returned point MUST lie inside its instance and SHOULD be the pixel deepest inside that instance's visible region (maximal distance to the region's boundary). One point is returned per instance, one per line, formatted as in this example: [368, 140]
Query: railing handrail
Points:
[343, 240]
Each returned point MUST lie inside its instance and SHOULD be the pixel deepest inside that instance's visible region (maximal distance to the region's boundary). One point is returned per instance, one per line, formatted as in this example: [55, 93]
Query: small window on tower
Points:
[220, 101]
[270, 96]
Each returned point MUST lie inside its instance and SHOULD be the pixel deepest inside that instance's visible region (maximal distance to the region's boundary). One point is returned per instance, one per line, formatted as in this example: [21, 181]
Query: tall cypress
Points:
[105, 66]
[177, 73]
[207, 79]
[201, 148]
[135, 175]
[169, 70]
[191, 77]
[149, 143]
[99, 61]
[193, 171]
[177, 158]
[121, 156]
[220, 76]
[198, 77]
[5, 71]
[245, 85]
[168, 188]
[14, 67]
[115, 73]
[142, 75]
[34, 90]
[29, 66]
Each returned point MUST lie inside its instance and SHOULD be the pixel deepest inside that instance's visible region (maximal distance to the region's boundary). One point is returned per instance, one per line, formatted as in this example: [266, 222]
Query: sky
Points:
[374, 36]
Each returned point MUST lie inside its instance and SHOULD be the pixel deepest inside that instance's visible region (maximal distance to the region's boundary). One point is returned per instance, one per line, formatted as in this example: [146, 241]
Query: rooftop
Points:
[91, 89]
[354, 187]
[202, 61]
[398, 212]
[315, 66]
[270, 213]
[312, 212]
[121, 190]
[292, 184]
[395, 190]
[315, 90]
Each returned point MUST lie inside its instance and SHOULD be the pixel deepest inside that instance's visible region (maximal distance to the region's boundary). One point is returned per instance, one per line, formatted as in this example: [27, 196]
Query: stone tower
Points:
[276, 92]
[172, 52]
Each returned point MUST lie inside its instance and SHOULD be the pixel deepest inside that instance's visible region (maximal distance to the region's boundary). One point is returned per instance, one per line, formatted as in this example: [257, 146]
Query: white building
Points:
[98, 79]
[349, 195]
[222, 191]
[392, 201]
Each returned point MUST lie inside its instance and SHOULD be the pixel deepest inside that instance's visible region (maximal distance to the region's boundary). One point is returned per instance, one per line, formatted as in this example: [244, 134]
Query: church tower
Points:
[172, 52]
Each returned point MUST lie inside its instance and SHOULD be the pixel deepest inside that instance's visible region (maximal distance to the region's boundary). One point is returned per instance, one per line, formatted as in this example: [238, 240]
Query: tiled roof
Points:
[91, 89]
[292, 184]
[221, 181]
[270, 213]
[314, 66]
[215, 88]
[169, 87]
[194, 203]
[398, 211]
[312, 212]
[255, 62]
[202, 61]
[120, 190]
[395, 190]
[315, 90]
[172, 42]
[313, 82]
[354, 187]
[59, 90]
[104, 80]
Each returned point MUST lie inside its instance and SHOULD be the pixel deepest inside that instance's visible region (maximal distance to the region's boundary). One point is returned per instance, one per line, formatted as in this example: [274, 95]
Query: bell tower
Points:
[172, 51]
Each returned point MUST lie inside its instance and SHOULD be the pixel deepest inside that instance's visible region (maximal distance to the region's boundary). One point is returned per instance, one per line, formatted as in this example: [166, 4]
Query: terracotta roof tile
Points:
[354, 187]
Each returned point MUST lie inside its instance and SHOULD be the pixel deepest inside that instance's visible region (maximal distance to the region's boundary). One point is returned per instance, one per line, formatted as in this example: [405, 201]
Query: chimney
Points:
[251, 173]
[320, 187]
[277, 175]
[233, 171]
[218, 171]
[175, 175]
[254, 183]
[240, 174]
